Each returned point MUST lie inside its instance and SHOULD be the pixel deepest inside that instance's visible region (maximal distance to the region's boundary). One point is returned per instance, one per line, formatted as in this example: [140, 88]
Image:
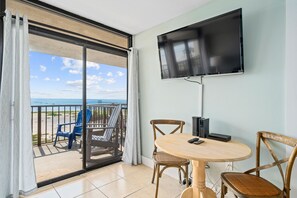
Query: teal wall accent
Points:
[239, 105]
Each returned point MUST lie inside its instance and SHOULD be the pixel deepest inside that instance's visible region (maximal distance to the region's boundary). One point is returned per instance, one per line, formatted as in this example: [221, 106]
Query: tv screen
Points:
[210, 47]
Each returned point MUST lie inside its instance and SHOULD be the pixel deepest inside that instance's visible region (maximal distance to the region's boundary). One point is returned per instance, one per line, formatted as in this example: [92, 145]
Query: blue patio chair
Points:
[77, 129]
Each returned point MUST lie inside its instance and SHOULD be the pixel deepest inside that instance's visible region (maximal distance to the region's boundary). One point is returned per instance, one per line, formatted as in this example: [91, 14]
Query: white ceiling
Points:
[131, 16]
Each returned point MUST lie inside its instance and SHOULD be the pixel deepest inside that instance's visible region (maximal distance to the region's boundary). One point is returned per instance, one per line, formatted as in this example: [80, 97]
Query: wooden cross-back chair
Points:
[248, 185]
[164, 160]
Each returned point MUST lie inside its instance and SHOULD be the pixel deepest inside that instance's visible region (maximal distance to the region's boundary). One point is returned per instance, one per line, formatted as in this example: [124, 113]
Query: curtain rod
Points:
[68, 31]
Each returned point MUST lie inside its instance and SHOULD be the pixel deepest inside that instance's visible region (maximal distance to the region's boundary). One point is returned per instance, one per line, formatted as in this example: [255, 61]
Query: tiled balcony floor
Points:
[51, 161]
[114, 181]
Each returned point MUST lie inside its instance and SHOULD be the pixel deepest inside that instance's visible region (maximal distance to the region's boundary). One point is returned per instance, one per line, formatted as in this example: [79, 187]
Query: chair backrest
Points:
[178, 124]
[79, 116]
[78, 124]
[267, 138]
[112, 122]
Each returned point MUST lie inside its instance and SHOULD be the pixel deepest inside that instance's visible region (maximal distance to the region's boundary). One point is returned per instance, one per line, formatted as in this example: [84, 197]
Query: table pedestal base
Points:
[189, 193]
[198, 189]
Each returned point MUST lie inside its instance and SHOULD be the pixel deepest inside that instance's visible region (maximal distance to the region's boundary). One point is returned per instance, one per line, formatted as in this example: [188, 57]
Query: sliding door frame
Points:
[78, 18]
[39, 31]
[85, 44]
[2, 10]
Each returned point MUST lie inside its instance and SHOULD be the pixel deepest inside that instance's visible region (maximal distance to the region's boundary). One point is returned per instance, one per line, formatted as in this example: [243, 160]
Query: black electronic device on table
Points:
[195, 141]
[200, 127]
[219, 137]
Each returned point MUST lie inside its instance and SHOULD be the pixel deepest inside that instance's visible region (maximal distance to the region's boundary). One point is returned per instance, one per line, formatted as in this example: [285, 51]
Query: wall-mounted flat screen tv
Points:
[210, 47]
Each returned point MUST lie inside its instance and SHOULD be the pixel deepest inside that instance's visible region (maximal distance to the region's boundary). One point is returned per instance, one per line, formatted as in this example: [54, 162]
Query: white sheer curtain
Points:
[17, 174]
[132, 151]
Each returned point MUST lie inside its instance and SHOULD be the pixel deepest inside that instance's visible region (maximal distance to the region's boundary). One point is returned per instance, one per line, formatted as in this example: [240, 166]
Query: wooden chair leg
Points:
[179, 175]
[158, 176]
[154, 173]
[223, 190]
[187, 175]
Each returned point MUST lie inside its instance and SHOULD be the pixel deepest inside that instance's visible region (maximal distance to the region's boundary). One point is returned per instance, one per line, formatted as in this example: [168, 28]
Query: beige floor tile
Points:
[142, 176]
[123, 169]
[92, 194]
[149, 192]
[119, 188]
[74, 188]
[44, 192]
[168, 188]
[115, 181]
[105, 169]
[103, 178]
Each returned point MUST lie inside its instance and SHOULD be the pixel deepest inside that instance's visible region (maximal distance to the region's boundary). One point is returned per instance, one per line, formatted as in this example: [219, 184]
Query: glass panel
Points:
[56, 98]
[106, 88]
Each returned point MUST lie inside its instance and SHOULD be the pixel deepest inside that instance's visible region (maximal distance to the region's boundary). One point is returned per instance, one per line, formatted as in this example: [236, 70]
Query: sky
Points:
[60, 77]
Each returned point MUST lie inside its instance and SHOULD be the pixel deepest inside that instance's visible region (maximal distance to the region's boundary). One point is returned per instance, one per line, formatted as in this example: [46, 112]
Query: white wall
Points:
[239, 105]
[291, 79]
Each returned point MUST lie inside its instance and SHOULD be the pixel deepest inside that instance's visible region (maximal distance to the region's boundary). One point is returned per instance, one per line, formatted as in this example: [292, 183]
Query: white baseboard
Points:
[172, 172]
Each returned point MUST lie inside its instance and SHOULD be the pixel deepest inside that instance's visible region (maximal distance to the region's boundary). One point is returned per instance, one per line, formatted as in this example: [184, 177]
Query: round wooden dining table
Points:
[208, 151]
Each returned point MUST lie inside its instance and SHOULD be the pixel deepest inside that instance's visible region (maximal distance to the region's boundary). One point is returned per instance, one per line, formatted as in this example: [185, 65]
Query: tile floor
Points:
[54, 161]
[114, 181]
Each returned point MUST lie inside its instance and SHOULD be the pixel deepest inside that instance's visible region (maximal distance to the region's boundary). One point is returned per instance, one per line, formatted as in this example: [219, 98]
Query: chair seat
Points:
[250, 185]
[63, 133]
[98, 138]
[167, 159]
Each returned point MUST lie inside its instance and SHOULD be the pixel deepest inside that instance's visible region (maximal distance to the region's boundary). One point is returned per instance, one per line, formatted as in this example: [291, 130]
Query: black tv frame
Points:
[206, 21]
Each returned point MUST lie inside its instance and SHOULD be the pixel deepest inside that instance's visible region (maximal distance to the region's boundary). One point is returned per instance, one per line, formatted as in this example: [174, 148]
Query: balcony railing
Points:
[45, 120]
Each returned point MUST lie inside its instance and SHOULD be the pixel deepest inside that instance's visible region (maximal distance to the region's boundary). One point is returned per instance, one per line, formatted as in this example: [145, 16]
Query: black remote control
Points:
[193, 140]
[198, 142]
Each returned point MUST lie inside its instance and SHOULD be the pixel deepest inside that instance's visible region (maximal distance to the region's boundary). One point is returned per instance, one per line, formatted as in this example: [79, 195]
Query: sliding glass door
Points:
[79, 104]
[56, 102]
[106, 97]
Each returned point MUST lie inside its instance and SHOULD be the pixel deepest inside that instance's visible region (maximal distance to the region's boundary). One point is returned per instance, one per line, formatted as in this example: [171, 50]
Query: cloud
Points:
[42, 68]
[41, 94]
[73, 71]
[120, 73]
[94, 78]
[73, 64]
[109, 74]
[53, 58]
[108, 93]
[70, 90]
[52, 79]
[33, 77]
[76, 83]
[93, 65]
[92, 82]
[110, 80]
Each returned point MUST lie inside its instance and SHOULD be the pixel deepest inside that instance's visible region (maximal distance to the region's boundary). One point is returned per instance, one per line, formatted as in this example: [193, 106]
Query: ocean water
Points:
[58, 101]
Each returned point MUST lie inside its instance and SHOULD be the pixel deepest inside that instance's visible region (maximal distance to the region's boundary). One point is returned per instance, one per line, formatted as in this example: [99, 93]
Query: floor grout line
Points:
[56, 191]
[135, 191]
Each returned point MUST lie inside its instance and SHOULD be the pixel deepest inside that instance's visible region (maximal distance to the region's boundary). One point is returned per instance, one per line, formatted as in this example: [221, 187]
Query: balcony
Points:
[54, 161]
